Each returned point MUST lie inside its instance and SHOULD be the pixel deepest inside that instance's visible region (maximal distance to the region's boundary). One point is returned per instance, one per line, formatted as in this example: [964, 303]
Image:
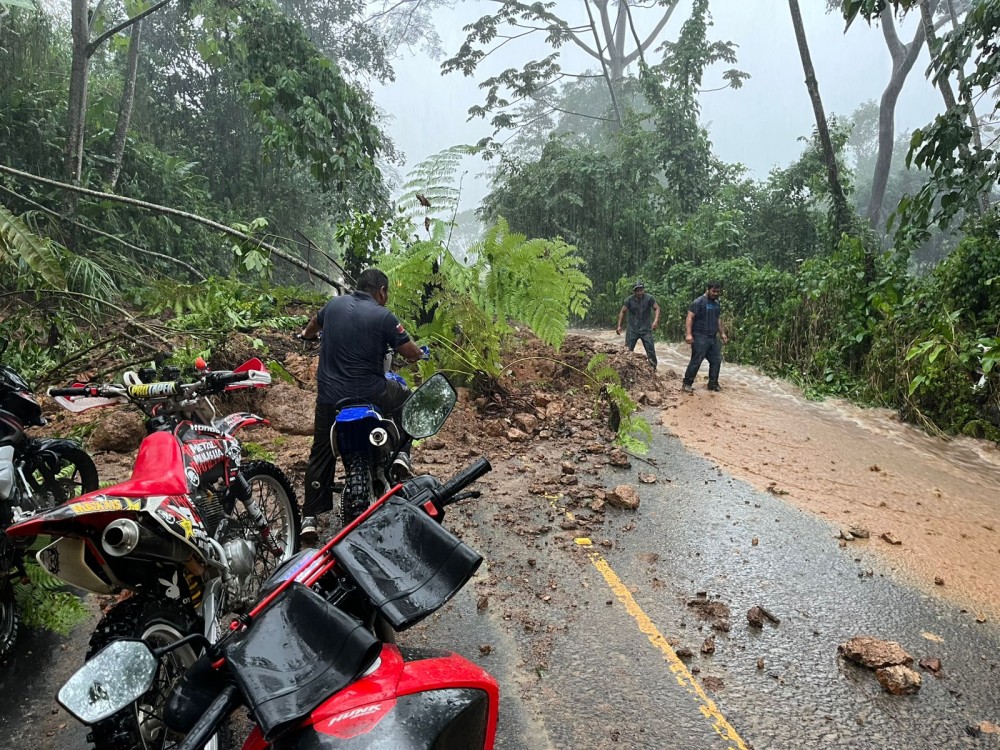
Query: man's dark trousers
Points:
[646, 337]
[704, 347]
[322, 462]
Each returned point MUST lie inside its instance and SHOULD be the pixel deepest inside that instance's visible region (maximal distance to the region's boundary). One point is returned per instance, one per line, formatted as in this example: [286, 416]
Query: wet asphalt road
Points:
[602, 683]
[576, 670]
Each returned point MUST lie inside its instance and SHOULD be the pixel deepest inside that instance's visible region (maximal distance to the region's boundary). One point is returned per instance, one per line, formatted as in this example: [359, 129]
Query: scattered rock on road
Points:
[874, 653]
[932, 665]
[898, 680]
[757, 614]
[619, 458]
[624, 496]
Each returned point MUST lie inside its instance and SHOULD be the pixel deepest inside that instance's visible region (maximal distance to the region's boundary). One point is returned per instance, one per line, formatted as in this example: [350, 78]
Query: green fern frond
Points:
[18, 244]
[44, 603]
[89, 277]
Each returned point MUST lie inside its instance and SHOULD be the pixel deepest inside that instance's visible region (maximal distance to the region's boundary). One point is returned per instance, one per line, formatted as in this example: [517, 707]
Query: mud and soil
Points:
[858, 468]
[545, 427]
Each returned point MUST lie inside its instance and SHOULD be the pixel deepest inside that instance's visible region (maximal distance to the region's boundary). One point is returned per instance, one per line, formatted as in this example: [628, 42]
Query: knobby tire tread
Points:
[358, 494]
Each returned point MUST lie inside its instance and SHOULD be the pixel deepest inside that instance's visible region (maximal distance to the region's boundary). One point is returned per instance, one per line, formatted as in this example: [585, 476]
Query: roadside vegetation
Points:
[128, 235]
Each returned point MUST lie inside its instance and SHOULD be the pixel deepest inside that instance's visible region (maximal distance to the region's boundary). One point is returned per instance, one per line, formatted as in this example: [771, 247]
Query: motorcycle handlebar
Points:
[79, 391]
[211, 720]
[153, 390]
[463, 479]
[226, 377]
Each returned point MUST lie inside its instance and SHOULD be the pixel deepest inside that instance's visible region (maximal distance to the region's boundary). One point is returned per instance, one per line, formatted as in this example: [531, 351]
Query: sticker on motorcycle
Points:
[173, 589]
[49, 558]
[105, 504]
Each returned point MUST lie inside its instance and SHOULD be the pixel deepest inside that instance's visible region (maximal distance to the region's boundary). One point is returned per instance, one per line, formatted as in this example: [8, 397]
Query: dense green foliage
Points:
[650, 198]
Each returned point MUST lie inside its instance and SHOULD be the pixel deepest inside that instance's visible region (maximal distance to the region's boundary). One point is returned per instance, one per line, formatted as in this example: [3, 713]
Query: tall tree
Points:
[606, 32]
[125, 108]
[82, 24]
[842, 216]
[903, 57]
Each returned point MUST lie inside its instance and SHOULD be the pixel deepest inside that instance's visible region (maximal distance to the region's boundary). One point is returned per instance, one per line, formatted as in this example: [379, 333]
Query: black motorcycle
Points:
[34, 474]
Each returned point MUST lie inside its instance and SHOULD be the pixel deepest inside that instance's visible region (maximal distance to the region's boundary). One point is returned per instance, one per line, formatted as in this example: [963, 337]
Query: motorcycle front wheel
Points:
[159, 623]
[358, 494]
[275, 533]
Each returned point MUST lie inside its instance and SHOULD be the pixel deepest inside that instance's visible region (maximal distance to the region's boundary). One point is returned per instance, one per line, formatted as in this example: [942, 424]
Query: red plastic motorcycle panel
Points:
[355, 712]
[208, 454]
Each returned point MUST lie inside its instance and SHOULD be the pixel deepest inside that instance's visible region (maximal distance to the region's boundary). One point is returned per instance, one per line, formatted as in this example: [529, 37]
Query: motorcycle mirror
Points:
[428, 407]
[118, 675]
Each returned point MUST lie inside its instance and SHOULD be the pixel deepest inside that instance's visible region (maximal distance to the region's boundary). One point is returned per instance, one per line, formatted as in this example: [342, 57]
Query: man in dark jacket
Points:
[358, 332]
[643, 317]
[703, 328]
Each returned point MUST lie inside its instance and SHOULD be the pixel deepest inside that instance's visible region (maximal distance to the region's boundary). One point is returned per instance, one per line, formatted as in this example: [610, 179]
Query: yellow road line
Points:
[679, 669]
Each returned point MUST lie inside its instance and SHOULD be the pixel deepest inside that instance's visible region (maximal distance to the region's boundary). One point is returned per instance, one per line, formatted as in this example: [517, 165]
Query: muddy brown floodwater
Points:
[938, 498]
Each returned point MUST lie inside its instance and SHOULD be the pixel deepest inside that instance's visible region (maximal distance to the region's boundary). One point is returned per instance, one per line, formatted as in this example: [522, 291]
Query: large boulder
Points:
[118, 430]
[289, 408]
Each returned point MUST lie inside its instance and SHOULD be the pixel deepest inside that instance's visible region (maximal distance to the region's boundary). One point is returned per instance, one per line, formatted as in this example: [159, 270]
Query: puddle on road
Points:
[855, 467]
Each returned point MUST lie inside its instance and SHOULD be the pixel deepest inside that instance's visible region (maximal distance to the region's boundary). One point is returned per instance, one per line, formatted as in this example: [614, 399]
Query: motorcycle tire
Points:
[159, 623]
[358, 494]
[63, 485]
[10, 620]
[275, 498]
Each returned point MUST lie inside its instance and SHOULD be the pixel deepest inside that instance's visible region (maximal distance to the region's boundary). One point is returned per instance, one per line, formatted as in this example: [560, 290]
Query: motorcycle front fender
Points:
[233, 422]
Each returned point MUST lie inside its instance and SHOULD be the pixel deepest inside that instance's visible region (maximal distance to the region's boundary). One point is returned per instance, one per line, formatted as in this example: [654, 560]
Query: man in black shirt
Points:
[358, 332]
[704, 321]
[640, 307]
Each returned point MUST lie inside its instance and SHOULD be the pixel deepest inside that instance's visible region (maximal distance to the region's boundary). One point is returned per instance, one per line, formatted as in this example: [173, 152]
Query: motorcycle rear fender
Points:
[64, 559]
[353, 427]
[456, 702]
[230, 424]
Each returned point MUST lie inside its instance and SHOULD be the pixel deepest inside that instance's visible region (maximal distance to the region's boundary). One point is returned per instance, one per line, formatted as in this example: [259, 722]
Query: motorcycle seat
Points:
[158, 470]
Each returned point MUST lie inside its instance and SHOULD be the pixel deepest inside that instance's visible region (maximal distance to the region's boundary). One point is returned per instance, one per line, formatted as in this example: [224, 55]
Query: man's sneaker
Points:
[310, 530]
[687, 388]
[714, 387]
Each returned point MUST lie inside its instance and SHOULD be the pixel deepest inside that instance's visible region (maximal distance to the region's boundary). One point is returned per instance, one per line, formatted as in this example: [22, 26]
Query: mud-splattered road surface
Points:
[610, 627]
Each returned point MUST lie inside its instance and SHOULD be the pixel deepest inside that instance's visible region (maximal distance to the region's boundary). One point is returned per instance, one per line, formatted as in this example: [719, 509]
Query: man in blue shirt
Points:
[358, 332]
[704, 322]
[643, 317]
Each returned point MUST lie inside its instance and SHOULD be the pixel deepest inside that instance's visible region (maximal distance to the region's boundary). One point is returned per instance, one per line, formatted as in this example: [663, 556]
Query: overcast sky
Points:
[758, 125]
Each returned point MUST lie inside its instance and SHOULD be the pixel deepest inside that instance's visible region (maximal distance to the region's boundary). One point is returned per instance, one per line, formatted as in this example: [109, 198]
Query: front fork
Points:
[242, 492]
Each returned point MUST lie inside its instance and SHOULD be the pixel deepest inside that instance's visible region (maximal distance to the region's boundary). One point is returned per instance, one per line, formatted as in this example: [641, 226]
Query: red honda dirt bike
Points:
[193, 534]
[305, 662]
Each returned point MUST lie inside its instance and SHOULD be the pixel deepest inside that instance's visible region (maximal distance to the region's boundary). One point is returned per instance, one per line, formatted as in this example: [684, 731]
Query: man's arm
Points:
[722, 331]
[656, 314]
[410, 351]
[621, 317]
[312, 328]
[689, 337]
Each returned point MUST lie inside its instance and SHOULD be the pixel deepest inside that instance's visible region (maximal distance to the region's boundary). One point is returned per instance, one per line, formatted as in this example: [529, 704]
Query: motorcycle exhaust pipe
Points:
[126, 537]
